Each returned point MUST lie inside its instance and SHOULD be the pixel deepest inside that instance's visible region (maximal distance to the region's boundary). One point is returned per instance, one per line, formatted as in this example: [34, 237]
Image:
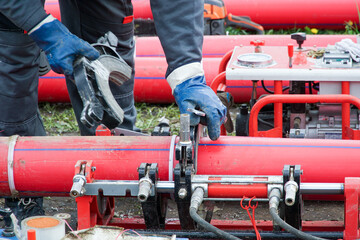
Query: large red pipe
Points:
[280, 14]
[150, 67]
[150, 83]
[276, 14]
[45, 165]
[218, 46]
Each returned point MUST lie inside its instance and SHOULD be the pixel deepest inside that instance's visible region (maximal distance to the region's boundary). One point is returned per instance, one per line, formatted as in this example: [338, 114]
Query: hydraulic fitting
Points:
[291, 188]
[197, 198]
[77, 188]
[145, 185]
[274, 198]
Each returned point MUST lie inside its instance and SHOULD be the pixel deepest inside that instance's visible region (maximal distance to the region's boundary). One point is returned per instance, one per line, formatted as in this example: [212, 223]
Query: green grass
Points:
[149, 115]
[59, 118]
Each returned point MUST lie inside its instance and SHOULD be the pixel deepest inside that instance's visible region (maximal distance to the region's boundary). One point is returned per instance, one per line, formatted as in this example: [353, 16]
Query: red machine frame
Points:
[351, 225]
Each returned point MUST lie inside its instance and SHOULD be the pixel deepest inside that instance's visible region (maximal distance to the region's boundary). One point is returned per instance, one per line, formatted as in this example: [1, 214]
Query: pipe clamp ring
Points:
[171, 157]
[12, 142]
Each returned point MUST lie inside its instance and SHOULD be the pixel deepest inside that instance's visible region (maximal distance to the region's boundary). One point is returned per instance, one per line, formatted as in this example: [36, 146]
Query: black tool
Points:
[300, 37]
[92, 81]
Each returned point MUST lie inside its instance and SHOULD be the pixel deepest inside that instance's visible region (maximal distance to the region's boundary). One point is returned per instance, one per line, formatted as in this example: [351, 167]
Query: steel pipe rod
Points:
[305, 188]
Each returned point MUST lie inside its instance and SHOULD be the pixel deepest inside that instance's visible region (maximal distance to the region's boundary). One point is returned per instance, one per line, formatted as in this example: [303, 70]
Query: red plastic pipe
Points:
[218, 46]
[52, 7]
[277, 14]
[224, 61]
[233, 191]
[150, 83]
[282, 13]
[45, 166]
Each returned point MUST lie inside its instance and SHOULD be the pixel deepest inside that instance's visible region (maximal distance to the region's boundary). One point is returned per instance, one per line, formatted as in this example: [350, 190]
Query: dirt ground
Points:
[131, 208]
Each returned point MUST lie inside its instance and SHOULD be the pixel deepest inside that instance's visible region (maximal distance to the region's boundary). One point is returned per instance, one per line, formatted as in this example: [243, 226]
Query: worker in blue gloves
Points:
[179, 25]
[26, 28]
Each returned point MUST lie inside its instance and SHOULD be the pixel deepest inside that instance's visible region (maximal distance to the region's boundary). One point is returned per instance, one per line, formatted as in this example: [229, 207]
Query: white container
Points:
[46, 227]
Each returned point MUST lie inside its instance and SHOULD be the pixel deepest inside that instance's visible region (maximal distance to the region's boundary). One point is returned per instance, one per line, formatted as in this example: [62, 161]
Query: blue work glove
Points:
[195, 94]
[61, 47]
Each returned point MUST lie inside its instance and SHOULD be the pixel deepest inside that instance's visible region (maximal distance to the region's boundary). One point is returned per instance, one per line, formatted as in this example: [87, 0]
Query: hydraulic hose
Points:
[274, 201]
[196, 200]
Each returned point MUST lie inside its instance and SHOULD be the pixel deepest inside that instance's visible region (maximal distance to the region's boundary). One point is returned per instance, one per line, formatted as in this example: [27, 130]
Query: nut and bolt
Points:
[182, 193]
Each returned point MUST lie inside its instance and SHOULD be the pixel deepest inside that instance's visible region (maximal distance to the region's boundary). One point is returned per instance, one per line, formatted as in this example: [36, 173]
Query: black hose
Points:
[207, 226]
[316, 86]
[269, 91]
[265, 123]
[310, 87]
[265, 88]
[290, 229]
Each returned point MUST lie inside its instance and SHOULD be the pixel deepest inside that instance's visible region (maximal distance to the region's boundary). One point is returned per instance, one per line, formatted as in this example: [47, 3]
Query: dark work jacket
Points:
[21, 15]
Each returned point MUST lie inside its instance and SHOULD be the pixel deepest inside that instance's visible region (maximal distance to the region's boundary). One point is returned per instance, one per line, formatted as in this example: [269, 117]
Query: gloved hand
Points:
[195, 94]
[61, 47]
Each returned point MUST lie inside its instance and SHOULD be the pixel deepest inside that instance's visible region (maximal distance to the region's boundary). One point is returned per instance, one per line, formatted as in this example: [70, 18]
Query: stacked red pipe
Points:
[150, 67]
[275, 14]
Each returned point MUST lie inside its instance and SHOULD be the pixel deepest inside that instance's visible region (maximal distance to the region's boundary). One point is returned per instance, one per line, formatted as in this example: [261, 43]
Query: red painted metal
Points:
[278, 110]
[92, 210]
[300, 98]
[44, 166]
[218, 84]
[352, 202]
[345, 113]
[89, 213]
[225, 60]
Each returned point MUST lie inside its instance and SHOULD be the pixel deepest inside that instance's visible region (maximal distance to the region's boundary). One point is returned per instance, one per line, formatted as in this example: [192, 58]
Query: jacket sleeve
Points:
[24, 14]
[179, 25]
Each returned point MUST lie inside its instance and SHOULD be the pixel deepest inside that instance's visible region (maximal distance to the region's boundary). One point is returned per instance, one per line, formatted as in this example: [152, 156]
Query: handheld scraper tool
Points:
[92, 80]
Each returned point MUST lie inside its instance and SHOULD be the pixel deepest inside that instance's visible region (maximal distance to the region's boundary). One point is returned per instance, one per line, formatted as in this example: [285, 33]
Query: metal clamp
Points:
[12, 142]
[92, 80]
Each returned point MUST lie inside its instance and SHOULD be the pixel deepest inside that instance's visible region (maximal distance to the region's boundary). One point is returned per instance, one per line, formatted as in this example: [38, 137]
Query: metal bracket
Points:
[154, 207]
[292, 214]
[84, 173]
[182, 193]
